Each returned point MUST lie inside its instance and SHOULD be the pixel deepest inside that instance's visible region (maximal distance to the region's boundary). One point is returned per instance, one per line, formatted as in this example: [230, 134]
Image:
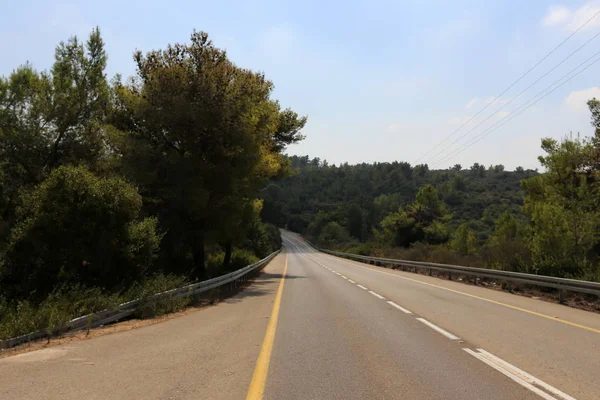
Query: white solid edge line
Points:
[377, 295]
[437, 328]
[511, 376]
[404, 310]
[351, 281]
[362, 287]
[532, 379]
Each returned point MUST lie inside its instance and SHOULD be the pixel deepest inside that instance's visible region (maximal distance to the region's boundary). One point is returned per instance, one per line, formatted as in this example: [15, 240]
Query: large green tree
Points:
[564, 207]
[52, 118]
[422, 220]
[201, 136]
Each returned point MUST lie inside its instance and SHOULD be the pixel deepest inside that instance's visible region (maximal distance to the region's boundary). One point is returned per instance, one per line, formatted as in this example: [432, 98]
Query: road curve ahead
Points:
[314, 326]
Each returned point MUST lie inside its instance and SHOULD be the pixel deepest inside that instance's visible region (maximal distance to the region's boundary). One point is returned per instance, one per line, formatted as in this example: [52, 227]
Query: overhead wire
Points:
[518, 111]
[524, 107]
[399, 185]
[509, 87]
[517, 96]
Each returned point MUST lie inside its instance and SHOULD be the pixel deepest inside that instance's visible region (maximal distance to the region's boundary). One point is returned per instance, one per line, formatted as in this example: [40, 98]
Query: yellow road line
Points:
[587, 328]
[259, 379]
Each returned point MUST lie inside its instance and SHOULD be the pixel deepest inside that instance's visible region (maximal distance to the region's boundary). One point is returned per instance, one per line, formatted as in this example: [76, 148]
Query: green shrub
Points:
[64, 304]
[332, 234]
[263, 239]
[214, 264]
[152, 285]
[17, 319]
[363, 249]
[241, 258]
[150, 306]
[77, 228]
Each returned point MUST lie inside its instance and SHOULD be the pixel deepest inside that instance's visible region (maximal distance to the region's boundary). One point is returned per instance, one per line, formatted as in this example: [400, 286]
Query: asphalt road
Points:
[209, 354]
[554, 344]
[314, 326]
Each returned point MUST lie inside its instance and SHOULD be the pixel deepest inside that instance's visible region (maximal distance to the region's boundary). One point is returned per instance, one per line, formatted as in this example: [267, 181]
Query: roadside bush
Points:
[363, 249]
[332, 234]
[76, 227]
[240, 258]
[263, 239]
[152, 285]
[62, 305]
[156, 284]
[214, 264]
[17, 319]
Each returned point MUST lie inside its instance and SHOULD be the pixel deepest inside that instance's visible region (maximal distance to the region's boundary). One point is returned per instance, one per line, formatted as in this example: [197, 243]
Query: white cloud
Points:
[556, 15]
[563, 18]
[471, 103]
[577, 100]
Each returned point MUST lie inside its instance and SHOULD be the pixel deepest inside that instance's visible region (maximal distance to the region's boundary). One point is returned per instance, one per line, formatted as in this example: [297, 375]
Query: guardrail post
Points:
[449, 275]
[561, 296]
[429, 271]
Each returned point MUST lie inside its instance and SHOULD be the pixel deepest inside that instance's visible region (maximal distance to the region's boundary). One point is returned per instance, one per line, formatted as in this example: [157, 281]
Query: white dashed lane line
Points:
[362, 287]
[524, 379]
[404, 310]
[377, 295]
[438, 329]
[351, 281]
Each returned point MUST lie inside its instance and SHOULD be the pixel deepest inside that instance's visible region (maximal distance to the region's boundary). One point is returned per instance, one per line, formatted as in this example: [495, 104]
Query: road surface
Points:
[314, 326]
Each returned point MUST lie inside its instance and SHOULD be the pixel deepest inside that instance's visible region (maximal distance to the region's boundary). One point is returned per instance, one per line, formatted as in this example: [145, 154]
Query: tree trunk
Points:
[227, 258]
[198, 254]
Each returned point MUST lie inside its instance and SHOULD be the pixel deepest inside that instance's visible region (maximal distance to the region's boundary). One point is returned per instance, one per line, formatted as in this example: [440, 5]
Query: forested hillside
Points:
[112, 189]
[362, 195]
[480, 216]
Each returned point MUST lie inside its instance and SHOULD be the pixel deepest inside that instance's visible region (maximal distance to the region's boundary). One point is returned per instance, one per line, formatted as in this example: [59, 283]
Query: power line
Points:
[498, 124]
[517, 96]
[509, 87]
[406, 182]
[523, 108]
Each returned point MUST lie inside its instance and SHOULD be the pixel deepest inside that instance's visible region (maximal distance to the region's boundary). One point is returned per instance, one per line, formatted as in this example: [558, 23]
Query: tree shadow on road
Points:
[266, 283]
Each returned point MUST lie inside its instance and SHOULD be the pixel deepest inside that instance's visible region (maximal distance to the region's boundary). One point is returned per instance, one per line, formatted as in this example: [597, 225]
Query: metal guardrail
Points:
[562, 284]
[127, 309]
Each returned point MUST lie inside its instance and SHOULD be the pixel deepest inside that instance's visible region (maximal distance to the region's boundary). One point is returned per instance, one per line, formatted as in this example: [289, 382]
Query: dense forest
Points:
[112, 189]
[522, 220]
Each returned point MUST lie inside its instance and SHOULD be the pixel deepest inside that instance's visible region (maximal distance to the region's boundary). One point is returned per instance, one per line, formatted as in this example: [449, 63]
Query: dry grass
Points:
[209, 299]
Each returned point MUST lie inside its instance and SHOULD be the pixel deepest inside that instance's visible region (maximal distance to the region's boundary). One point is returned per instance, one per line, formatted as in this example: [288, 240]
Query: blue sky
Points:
[379, 80]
